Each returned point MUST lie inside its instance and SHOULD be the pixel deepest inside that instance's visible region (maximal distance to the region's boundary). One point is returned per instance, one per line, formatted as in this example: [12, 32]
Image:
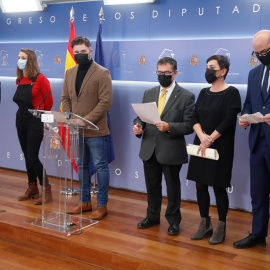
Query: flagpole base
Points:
[93, 190]
[70, 191]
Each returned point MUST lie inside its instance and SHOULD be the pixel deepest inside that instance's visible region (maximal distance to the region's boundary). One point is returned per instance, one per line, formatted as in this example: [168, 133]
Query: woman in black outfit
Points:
[33, 91]
[214, 122]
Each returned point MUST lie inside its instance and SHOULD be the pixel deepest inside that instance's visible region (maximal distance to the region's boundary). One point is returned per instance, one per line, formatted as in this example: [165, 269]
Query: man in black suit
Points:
[258, 100]
[163, 147]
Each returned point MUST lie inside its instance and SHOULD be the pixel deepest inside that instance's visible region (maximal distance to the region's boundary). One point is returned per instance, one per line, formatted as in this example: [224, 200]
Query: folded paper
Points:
[210, 153]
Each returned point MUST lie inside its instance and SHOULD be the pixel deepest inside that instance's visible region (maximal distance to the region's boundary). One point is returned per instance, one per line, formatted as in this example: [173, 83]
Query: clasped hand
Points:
[206, 141]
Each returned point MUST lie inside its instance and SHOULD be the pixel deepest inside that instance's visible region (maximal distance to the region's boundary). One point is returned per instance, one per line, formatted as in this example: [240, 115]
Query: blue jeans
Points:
[95, 148]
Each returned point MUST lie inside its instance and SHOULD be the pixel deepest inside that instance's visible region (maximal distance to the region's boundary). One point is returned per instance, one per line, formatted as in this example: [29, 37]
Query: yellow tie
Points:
[161, 101]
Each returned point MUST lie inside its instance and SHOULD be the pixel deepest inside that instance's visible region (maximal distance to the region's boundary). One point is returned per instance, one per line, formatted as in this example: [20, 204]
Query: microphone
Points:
[68, 114]
[35, 113]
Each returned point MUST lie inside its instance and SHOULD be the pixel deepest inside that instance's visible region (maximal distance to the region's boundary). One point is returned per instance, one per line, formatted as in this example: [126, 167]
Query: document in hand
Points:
[147, 112]
[210, 153]
[252, 118]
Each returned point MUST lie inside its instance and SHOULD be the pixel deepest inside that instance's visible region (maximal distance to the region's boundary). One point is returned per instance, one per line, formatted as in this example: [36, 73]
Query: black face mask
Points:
[210, 75]
[165, 80]
[81, 58]
[265, 60]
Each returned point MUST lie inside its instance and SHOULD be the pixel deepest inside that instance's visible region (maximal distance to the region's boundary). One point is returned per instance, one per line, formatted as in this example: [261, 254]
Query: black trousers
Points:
[153, 177]
[30, 133]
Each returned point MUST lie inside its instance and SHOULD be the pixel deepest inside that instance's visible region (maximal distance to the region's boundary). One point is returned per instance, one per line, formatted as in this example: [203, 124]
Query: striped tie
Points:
[161, 101]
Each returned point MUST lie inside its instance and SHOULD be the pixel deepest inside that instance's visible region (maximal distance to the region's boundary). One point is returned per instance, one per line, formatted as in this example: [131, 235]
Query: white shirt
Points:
[168, 94]
[264, 71]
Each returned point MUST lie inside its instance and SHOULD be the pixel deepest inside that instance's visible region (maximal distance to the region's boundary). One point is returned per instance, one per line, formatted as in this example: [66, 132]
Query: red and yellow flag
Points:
[70, 62]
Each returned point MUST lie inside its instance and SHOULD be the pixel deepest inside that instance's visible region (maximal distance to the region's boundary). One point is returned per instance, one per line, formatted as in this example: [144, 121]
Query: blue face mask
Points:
[21, 64]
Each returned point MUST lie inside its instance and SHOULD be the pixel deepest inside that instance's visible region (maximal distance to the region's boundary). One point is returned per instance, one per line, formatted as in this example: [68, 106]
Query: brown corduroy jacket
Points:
[94, 99]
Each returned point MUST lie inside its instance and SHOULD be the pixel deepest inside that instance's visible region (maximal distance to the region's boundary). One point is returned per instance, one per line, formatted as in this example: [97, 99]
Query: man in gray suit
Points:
[163, 147]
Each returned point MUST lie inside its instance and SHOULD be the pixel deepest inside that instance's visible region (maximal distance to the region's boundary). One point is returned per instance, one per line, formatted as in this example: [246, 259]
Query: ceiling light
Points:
[21, 5]
[125, 2]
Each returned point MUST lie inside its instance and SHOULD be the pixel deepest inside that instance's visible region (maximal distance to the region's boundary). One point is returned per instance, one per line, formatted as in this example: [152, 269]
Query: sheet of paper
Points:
[252, 118]
[147, 112]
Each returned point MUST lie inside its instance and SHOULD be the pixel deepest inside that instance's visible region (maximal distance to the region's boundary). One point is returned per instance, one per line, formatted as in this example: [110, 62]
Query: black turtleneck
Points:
[82, 70]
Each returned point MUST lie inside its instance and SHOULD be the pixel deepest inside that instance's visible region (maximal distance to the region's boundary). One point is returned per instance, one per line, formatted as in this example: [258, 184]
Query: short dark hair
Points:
[223, 62]
[168, 60]
[81, 40]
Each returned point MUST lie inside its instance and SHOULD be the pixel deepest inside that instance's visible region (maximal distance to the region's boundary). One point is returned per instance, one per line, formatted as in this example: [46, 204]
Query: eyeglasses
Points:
[167, 73]
[262, 53]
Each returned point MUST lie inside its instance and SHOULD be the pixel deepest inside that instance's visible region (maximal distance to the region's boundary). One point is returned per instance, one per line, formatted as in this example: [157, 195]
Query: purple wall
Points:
[126, 170]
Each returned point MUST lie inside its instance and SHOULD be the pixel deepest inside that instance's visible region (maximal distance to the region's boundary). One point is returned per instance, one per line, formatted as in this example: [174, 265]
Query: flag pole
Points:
[72, 14]
[101, 15]
[94, 190]
[72, 190]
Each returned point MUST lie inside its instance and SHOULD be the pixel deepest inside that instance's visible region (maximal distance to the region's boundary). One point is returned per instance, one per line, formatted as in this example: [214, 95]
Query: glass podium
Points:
[61, 151]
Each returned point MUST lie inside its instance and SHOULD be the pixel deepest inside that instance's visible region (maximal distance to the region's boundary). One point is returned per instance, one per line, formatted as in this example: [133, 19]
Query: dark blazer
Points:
[170, 147]
[94, 99]
[254, 103]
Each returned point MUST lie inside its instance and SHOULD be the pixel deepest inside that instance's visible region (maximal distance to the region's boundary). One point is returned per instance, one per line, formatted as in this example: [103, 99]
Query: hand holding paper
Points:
[137, 129]
[266, 118]
[252, 118]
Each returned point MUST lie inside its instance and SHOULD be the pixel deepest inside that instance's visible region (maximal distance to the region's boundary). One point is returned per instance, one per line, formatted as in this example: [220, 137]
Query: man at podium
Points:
[87, 92]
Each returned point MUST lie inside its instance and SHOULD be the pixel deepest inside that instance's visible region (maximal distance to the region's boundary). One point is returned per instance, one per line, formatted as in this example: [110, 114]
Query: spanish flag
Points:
[70, 62]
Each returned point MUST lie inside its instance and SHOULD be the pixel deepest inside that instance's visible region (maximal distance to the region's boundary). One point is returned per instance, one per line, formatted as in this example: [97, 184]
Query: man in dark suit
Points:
[163, 147]
[258, 100]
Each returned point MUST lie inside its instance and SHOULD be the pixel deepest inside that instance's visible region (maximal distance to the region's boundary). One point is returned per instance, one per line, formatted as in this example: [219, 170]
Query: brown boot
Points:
[219, 234]
[205, 229]
[48, 195]
[80, 207]
[31, 193]
[100, 213]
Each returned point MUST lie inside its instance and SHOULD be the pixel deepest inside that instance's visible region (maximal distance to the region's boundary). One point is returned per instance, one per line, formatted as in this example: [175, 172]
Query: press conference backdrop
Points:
[134, 38]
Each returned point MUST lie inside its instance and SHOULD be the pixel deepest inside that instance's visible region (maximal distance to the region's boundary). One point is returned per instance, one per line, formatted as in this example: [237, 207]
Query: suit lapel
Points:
[267, 97]
[172, 99]
[259, 82]
[156, 93]
[87, 76]
[73, 80]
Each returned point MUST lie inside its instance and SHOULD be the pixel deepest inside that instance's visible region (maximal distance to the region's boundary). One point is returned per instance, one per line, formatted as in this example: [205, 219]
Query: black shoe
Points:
[250, 241]
[146, 223]
[174, 229]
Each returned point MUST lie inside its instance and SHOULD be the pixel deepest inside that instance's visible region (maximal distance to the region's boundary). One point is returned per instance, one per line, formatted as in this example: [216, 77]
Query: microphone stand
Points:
[36, 112]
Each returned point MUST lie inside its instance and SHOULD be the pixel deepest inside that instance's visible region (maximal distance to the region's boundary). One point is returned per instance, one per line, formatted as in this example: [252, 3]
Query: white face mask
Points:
[21, 64]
